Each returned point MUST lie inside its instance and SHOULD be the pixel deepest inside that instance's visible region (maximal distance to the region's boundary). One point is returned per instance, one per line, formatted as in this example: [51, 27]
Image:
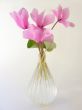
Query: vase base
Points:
[42, 98]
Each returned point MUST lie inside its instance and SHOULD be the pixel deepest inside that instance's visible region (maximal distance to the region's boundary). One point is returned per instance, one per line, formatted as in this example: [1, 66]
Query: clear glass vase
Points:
[42, 88]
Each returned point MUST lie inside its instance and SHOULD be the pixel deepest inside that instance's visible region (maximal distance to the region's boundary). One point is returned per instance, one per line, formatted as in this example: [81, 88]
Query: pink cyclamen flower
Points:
[62, 15]
[40, 19]
[21, 18]
[38, 35]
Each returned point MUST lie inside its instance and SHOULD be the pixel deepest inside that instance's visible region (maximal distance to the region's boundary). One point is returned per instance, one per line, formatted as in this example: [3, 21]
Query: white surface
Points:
[17, 63]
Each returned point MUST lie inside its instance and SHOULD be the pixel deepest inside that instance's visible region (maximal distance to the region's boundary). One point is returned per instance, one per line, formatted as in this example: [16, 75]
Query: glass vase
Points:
[42, 88]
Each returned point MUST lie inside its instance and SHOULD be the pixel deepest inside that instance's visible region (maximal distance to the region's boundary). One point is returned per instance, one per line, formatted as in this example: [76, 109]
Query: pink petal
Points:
[21, 18]
[24, 17]
[71, 24]
[65, 13]
[33, 34]
[34, 14]
[16, 17]
[27, 34]
[67, 23]
[59, 12]
[55, 13]
[40, 19]
[47, 35]
[48, 19]
[23, 12]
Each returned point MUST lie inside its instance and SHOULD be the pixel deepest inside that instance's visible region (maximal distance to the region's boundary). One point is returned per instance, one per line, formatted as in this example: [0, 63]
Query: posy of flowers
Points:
[38, 35]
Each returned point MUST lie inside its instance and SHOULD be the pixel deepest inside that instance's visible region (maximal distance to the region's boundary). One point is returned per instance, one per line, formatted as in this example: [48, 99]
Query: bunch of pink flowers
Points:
[38, 33]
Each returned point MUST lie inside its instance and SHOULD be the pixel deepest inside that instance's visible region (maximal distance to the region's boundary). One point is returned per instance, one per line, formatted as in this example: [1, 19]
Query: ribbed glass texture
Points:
[41, 88]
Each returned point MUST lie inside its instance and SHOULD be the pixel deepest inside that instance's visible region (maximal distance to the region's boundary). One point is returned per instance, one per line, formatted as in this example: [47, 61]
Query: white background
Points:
[17, 63]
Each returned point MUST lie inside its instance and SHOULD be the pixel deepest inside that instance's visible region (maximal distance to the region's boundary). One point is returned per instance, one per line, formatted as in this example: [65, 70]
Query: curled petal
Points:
[62, 15]
[40, 19]
[34, 14]
[55, 13]
[71, 24]
[33, 34]
[21, 18]
[16, 17]
[48, 19]
[24, 17]
[59, 12]
[65, 13]
[47, 35]
[67, 23]
[37, 34]
[37, 17]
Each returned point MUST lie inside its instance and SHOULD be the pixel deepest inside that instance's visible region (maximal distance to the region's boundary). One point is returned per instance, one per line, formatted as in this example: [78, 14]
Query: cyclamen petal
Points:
[48, 19]
[59, 12]
[62, 15]
[34, 14]
[55, 13]
[67, 23]
[16, 18]
[71, 24]
[65, 13]
[37, 34]
[47, 35]
[21, 18]
[40, 19]
[33, 33]
[24, 16]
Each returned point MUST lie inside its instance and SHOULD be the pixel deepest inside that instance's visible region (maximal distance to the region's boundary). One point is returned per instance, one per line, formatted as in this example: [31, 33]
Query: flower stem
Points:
[41, 52]
[54, 24]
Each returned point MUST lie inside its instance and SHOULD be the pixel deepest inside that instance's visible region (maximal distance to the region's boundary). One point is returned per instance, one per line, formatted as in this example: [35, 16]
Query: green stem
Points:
[54, 25]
